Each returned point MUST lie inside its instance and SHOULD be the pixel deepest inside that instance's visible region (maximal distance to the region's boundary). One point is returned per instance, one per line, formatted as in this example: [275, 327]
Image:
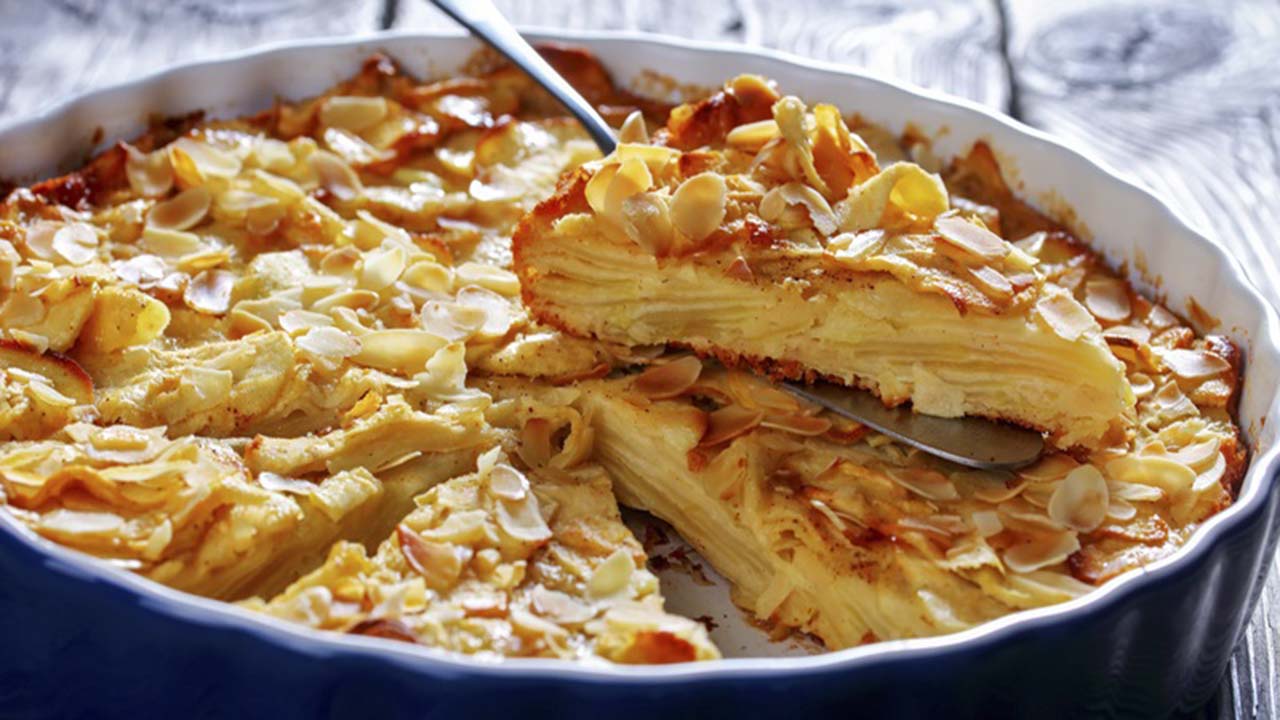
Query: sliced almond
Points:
[929, 484]
[1041, 551]
[1194, 364]
[329, 342]
[669, 380]
[522, 521]
[1170, 476]
[969, 237]
[76, 242]
[1080, 502]
[184, 211]
[753, 136]
[353, 113]
[1067, 318]
[439, 564]
[698, 205]
[729, 422]
[452, 321]
[503, 282]
[559, 607]
[336, 175]
[804, 425]
[1107, 299]
[401, 350]
[500, 316]
[987, 523]
[383, 267]
[613, 575]
[210, 292]
[149, 174]
[633, 129]
[1212, 475]
[506, 483]
[646, 220]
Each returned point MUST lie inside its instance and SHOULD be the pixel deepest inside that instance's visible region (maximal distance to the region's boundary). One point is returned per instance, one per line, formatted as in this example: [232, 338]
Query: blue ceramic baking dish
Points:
[79, 638]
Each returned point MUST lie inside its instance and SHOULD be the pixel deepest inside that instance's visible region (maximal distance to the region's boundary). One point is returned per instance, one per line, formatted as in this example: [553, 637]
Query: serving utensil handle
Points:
[484, 20]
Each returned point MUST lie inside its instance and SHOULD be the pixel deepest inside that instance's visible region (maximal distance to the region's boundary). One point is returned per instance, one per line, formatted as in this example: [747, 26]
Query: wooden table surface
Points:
[1183, 97]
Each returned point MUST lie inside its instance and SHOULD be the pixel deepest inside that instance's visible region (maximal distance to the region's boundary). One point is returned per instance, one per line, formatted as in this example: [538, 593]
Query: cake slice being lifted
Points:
[766, 234]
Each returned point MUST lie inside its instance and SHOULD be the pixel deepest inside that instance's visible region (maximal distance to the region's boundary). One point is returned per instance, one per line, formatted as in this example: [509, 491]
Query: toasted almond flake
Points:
[559, 607]
[1193, 364]
[1170, 476]
[279, 483]
[987, 523]
[527, 624]
[1134, 492]
[851, 248]
[929, 484]
[451, 321]
[46, 395]
[1212, 475]
[698, 205]
[669, 380]
[331, 301]
[1041, 551]
[1080, 501]
[1142, 385]
[39, 238]
[633, 129]
[507, 483]
[971, 238]
[75, 522]
[500, 316]
[1066, 317]
[753, 136]
[1197, 455]
[353, 113]
[729, 422]
[184, 211]
[149, 174]
[170, 243]
[329, 342]
[646, 220]
[1121, 510]
[382, 268]
[429, 275]
[1107, 299]
[1158, 318]
[804, 425]
[140, 269]
[195, 161]
[77, 243]
[210, 292]
[992, 282]
[119, 437]
[1127, 335]
[997, 493]
[613, 575]
[439, 564]
[503, 282]
[401, 350]
[335, 175]
[297, 322]
[522, 521]
[598, 187]
[631, 178]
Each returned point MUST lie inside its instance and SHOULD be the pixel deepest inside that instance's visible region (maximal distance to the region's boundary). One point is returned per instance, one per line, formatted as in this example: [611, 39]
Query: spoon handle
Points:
[486, 22]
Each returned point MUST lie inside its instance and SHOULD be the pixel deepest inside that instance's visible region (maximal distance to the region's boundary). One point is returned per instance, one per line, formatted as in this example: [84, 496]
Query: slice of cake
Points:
[767, 235]
[500, 563]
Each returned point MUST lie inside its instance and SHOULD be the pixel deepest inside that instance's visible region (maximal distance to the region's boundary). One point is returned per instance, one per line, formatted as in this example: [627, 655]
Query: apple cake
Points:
[385, 361]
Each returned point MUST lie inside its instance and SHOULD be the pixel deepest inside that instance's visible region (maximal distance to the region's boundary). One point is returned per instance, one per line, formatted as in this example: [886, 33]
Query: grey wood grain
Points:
[1182, 96]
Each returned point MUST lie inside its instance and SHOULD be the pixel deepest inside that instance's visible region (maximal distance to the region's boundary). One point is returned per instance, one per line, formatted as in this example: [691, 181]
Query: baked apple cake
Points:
[385, 362]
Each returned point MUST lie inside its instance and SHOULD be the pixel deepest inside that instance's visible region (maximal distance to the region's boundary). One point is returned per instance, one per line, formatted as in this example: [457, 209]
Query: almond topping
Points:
[184, 211]
[210, 292]
[522, 521]
[805, 425]
[612, 575]
[77, 243]
[559, 607]
[507, 483]
[335, 175]
[1194, 364]
[149, 174]
[669, 380]
[698, 205]
[1066, 317]
[753, 136]
[929, 484]
[1081, 500]
[1107, 299]
[1041, 551]
[439, 564]
[353, 113]
[329, 342]
[971, 238]
[728, 423]
[400, 350]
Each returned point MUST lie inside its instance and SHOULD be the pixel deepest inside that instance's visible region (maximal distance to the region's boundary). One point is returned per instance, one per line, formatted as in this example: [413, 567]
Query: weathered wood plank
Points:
[49, 50]
[1184, 98]
[951, 46]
